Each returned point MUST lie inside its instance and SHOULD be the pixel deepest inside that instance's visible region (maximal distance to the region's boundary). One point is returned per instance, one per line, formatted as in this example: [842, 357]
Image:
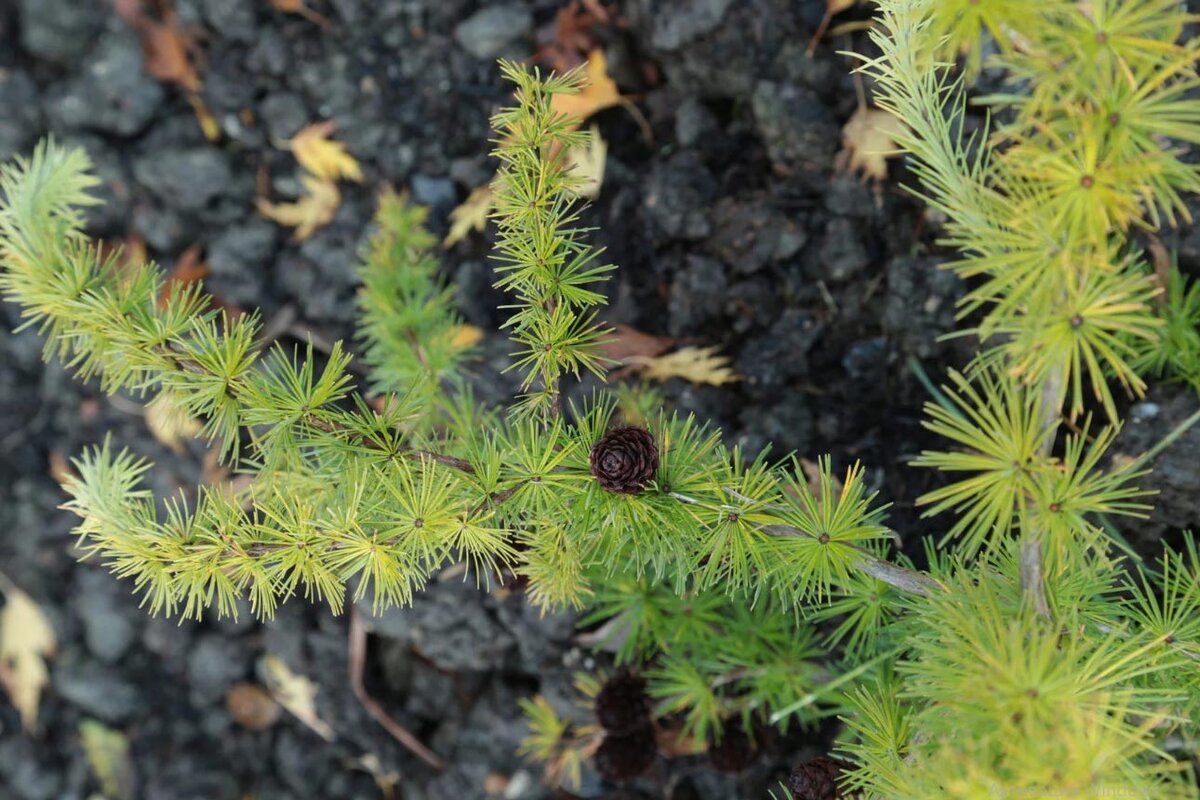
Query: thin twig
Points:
[357, 658]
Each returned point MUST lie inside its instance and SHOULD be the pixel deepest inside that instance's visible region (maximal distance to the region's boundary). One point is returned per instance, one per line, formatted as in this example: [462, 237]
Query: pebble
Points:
[489, 32]
[187, 179]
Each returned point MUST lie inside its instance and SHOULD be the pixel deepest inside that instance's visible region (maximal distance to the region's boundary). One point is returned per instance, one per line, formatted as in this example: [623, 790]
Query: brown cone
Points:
[816, 779]
[622, 705]
[623, 758]
[625, 460]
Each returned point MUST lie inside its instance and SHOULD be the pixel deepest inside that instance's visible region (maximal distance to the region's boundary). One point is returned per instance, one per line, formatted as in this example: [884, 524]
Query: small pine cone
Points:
[623, 758]
[625, 460]
[622, 705]
[734, 752]
[816, 779]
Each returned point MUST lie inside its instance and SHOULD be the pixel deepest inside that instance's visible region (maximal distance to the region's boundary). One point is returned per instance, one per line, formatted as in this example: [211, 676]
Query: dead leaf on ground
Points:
[169, 54]
[575, 34]
[464, 336]
[294, 692]
[587, 162]
[189, 268]
[299, 7]
[386, 780]
[470, 215]
[26, 641]
[695, 364]
[625, 343]
[169, 424]
[868, 141]
[598, 93]
[60, 468]
[107, 752]
[322, 156]
[315, 208]
[251, 706]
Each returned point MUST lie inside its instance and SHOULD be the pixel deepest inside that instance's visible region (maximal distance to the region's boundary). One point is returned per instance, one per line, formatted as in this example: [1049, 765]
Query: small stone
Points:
[434, 191]
[488, 32]
[843, 254]
[283, 114]
[235, 20]
[187, 179]
[22, 118]
[107, 629]
[796, 126]
[251, 706]
[58, 30]
[113, 95]
[696, 295]
[213, 666]
[687, 21]
[97, 691]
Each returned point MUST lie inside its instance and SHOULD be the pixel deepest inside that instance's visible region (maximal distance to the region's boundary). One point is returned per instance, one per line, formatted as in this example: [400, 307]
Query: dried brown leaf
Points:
[26, 641]
[868, 140]
[598, 93]
[626, 343]
[294, 692]
[251, 706]
[695, 364]
[472, 214]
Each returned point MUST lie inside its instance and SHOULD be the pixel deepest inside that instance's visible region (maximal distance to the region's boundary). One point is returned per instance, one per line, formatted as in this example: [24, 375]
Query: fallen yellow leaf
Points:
[586, 163]
[107, 753]
[295, 693]
[26, 641]
[868, 140]
[169, 424]
[471, 214]
[598, 93]
[322, 156]
[313, 210]
[465, 336]
[695, 364]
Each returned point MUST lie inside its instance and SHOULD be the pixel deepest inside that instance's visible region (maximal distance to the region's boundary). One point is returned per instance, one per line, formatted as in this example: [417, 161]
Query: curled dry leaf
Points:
[107, 752]
[169, 424]
[26, 641]
[599, 91]
[294, 692]
[868, 140]
[695, 364]
[586, 163]
[322, 156]
[471, 215]
[313, 210]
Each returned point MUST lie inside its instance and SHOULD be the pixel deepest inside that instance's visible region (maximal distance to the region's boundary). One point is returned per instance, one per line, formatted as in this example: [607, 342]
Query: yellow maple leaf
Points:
[294, 692]
[26, 641]
[471, 214]
[598, 93]
[695, 364]
[313, 210]
[322, 156]
[587, 162]
[868, 140]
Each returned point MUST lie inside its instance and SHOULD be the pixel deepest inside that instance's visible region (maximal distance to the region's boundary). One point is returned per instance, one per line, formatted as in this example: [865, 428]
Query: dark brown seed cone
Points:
[621, 705]
[625, 460]
[816, 779]
[623, 758]
[734, 752]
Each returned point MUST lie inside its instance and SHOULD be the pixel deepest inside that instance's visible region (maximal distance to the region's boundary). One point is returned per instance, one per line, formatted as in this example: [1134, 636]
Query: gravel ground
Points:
[731, 225]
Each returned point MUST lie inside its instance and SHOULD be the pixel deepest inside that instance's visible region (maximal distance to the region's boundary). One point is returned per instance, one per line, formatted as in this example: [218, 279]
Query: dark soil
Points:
[732, 226]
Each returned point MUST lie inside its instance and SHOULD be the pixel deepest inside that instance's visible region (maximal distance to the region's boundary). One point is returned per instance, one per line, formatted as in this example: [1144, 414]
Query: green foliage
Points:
[1026, 658]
